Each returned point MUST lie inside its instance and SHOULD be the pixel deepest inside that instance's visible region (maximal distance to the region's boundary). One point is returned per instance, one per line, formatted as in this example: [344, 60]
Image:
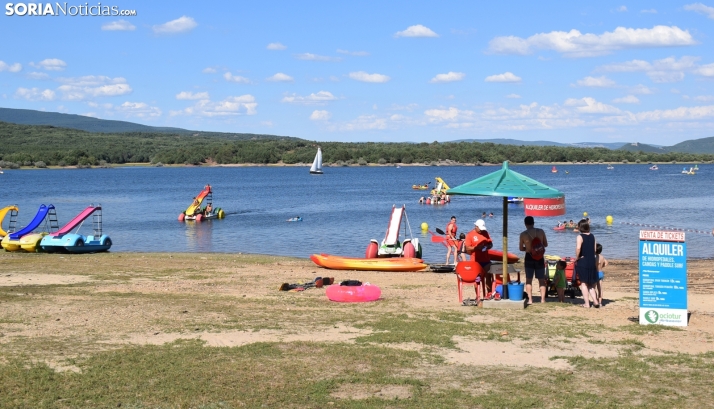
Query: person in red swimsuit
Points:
[451, 230]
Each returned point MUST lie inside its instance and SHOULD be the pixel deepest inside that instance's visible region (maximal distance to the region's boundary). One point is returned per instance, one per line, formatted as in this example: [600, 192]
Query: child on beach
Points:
[601, 263]
[461, 252]
[559, 279]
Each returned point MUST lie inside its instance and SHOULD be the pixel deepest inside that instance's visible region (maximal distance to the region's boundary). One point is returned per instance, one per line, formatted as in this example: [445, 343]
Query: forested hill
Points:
[46, 145]
[96, 125]
[84, 123]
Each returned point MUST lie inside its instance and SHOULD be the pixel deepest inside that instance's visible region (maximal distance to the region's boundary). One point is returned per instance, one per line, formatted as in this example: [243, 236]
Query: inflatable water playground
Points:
[438, 195]
[198, 213]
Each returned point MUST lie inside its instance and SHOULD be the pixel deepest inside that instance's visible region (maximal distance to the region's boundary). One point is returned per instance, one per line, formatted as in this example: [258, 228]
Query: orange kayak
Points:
[368, 264]
[497, 255]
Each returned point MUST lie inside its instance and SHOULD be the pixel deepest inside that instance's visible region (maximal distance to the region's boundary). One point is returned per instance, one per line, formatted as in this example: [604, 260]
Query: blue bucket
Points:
[499, 290]
[515, 291]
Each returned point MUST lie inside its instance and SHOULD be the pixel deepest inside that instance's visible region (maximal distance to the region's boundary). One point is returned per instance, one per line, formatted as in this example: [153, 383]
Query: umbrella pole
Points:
[505, 249]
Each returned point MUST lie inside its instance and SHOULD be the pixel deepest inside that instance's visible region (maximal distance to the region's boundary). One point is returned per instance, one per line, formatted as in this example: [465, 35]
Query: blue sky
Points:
[378, 71]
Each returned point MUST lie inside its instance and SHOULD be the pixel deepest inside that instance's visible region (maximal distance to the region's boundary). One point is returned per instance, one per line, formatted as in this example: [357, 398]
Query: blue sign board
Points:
[663, 278]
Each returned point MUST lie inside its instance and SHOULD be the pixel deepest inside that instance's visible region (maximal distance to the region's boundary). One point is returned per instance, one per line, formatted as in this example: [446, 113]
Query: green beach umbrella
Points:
[505, 183]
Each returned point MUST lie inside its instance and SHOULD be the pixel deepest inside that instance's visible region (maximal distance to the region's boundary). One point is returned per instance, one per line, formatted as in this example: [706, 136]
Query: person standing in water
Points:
[451, 230]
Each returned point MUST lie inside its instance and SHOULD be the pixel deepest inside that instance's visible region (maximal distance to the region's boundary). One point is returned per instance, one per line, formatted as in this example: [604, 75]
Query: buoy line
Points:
[652, 226]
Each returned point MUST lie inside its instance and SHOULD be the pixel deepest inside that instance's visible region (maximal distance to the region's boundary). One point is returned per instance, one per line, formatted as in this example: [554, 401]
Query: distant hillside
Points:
[704, 145]
[107, 126]
[613, 145]
[83, 123]
[641, 147]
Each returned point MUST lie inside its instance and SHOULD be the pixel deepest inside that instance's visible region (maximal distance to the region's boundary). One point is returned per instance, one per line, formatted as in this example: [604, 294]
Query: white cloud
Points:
[641, 89]
[50, 64]
[589, 105]
[187, 95]
[665, 76]
[365, 77]
[597, 82]
[81, 88]
[314, 98]
[677, 114]
[209, 70]
[320, 115]
[448, 77]
[138, 109]
[505, 77]
[649, 11]
[353, 53]
[450, 114]
[701, 9]
[416, 31]
[180, 25]
[236, 78]
[706, 70]
[35, 94]
[37, 75]
[276, 47]
[665, 70]
[630, 99]
[231, 106]
[513, 96]
[16, 67]
[315, 57]
[622, 9]
[704, 98]
[119, 25]
[363, 123]
[576, 44]
[280, 77]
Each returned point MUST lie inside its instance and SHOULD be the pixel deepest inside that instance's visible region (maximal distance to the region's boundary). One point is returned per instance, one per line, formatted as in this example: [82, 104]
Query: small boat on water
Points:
[316, 168]
[696, 167]
[295, 219]
[610, 167]
[689, 171]
[421, 187]
[654, 167]
[391, 246]
[1, 172]
[512, 199]
[554, 170]
[197, 213]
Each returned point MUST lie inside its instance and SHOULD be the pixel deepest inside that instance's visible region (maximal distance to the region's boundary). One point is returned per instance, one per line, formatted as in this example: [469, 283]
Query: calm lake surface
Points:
[346, 207]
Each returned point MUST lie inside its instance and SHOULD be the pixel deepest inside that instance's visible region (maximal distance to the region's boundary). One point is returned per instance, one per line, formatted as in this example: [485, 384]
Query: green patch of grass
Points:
[630, 341]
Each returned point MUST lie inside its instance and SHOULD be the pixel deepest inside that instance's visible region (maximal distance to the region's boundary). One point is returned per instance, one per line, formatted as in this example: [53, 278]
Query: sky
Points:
[381, 71]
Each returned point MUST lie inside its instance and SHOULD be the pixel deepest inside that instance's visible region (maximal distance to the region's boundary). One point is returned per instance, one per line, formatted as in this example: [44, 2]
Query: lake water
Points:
[346, 207]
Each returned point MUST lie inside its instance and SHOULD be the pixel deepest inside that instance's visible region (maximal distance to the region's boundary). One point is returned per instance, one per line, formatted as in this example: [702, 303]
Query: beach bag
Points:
[537, 248]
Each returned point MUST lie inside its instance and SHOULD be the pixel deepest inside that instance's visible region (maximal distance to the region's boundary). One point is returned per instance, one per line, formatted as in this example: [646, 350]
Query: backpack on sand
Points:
[537, 248]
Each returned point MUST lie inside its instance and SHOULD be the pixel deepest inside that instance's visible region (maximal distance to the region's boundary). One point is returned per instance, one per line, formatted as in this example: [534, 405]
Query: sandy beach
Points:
[63, 311]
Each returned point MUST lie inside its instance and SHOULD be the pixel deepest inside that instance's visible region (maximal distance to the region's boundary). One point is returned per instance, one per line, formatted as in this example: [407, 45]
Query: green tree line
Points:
[27, 145]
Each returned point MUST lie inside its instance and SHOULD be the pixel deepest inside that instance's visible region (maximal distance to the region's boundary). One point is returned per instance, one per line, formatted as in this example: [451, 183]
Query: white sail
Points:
[317, 163]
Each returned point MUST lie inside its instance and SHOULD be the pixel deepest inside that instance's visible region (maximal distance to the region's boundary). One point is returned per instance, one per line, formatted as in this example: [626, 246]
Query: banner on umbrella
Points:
[545, 207]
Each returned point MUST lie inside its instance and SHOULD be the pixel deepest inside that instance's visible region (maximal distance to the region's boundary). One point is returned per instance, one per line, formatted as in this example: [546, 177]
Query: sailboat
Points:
[554, 170]
[316, 168]
[610, 167]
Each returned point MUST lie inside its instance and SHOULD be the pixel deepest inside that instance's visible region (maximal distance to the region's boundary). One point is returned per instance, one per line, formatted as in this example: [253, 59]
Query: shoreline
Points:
[370, 165]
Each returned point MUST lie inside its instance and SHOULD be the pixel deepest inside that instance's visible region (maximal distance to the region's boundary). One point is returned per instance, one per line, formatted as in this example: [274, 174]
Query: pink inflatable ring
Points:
[362, 293]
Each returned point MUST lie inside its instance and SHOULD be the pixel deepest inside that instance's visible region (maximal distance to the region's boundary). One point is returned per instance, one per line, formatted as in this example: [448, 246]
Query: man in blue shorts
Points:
[534, 267]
